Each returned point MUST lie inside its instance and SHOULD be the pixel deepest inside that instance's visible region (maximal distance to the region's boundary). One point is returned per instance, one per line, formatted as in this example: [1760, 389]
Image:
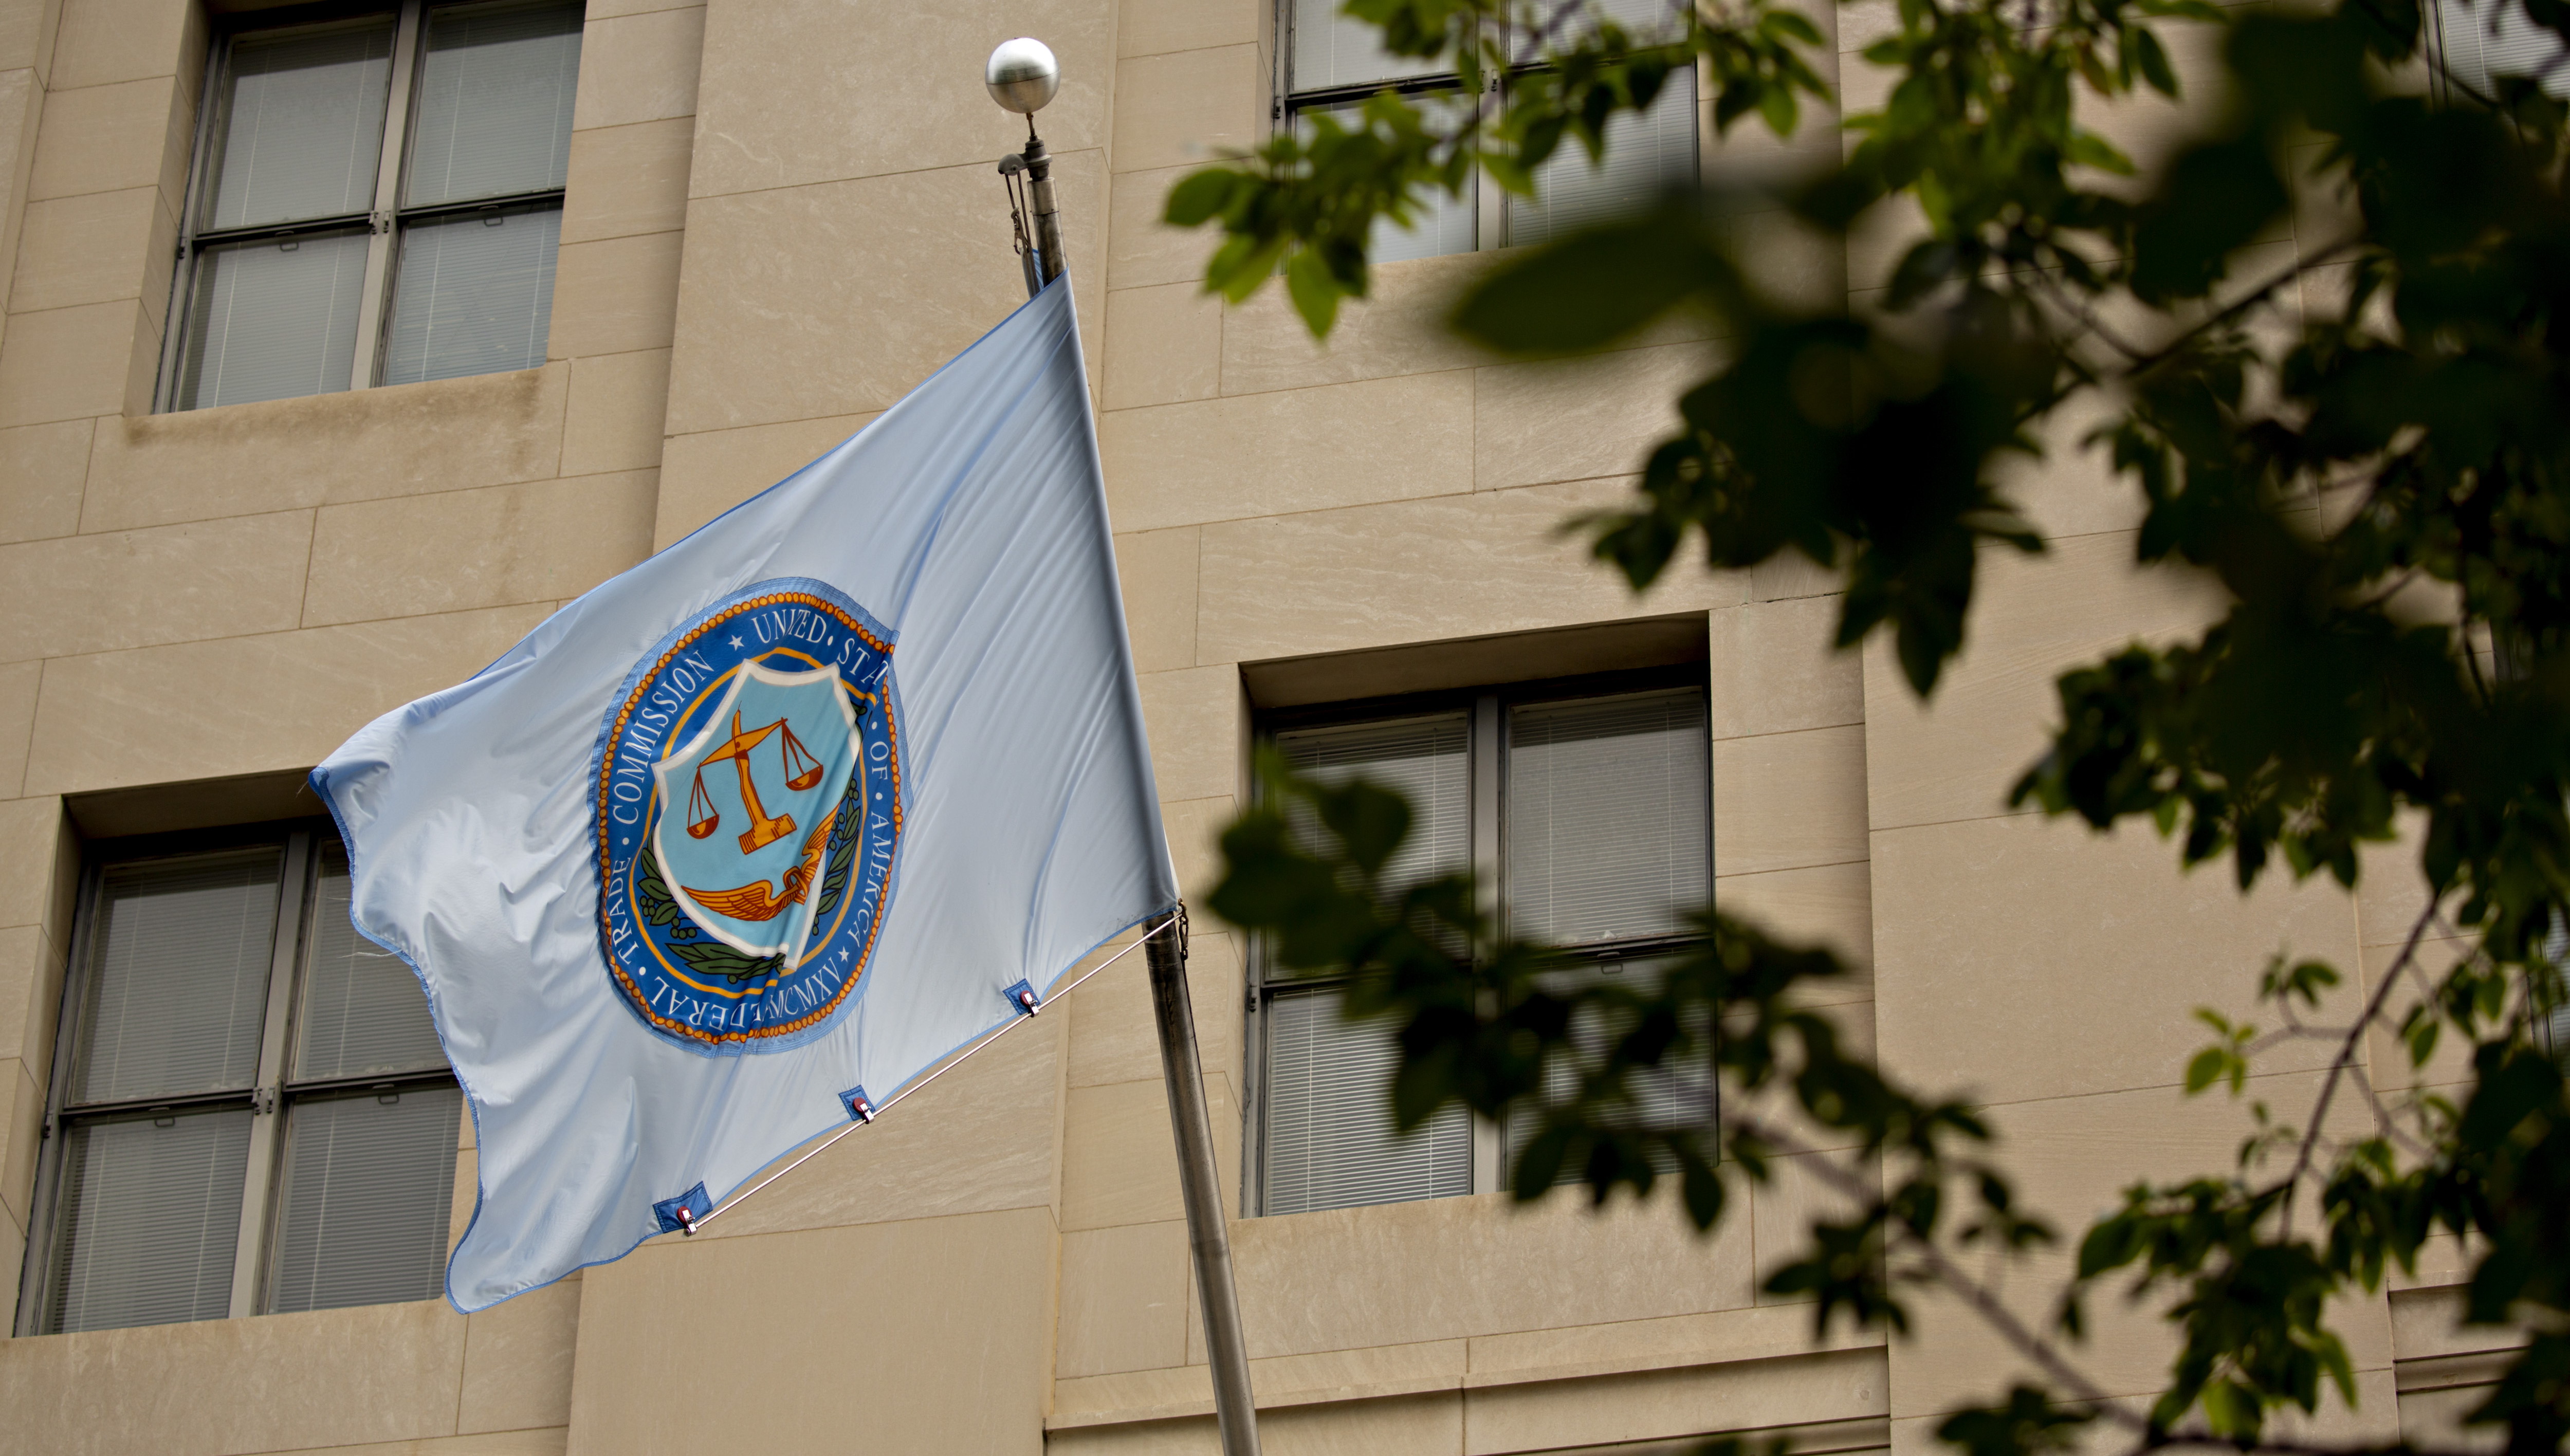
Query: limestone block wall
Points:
[211, 601]
[781, 216]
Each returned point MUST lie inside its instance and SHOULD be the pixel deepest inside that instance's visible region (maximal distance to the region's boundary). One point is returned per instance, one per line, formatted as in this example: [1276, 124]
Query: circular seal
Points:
[747, 799]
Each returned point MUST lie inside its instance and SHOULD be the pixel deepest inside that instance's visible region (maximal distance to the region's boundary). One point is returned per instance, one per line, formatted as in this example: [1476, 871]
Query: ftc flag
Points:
[784, 815]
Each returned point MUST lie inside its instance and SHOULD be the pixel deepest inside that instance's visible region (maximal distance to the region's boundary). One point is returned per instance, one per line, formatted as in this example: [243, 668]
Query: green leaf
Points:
[2217, 198]
[1314, 292]
[1595, 287]
[2206, 1068]
[2153, 59]
[1200, 196]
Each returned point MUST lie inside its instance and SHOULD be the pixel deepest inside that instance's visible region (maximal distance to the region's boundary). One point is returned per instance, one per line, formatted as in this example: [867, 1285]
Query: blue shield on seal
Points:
[747, 807]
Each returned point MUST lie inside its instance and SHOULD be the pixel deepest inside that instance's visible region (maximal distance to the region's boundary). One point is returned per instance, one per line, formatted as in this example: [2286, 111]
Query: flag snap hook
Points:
[680, 1215]
[1021, 999]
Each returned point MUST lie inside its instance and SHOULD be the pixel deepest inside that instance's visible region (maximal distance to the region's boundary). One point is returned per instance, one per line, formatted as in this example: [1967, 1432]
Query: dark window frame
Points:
[271, 1097]
[1485, 709]
[384, 221]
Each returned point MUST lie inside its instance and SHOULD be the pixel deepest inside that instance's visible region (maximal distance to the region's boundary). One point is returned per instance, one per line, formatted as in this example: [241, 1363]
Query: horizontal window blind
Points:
[274, 319]
[152, 1210]
[1329, 1140]
[1648, 152]
[1609, 828]
[363, 1214]
[178, 992]
[363, 1012]
[1331, 49]
[475, 295]
[2493, 38]
[1441, 225]
[298, 125]
[1652, 21]
[1422, 758]
[1672, 1094]
[496, 84]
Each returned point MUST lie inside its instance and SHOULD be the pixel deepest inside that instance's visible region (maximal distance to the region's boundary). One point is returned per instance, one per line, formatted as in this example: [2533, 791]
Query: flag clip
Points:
[861, 1108]
[1021, 999]
[679, 1215]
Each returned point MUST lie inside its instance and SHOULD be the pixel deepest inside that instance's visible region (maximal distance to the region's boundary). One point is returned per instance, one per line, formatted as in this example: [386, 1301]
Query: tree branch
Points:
[2339, 1065]
[1973, 1292]
[2242, 304]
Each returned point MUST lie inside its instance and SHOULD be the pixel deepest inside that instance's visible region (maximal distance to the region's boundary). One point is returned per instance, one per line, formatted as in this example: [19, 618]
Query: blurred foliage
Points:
[2359, 450]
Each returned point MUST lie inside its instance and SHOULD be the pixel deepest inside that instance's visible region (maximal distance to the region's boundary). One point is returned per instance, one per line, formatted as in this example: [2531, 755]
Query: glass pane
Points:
[1672, 1094]
[1606, 815]
[362, 1214]
[298, 125]
[1647, 154]
[178, 993]
[1332, 50]
[1423, 758]
[273, 320]
[1444, 225]
[152, 1216]
[495, 95]
[2494, 38]
[363, 1012]
[1330, 1142]
[1647, 20]
[475, 296]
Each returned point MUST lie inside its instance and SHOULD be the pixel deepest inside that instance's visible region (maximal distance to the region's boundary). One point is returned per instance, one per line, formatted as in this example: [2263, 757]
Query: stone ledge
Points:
[1776, 1331]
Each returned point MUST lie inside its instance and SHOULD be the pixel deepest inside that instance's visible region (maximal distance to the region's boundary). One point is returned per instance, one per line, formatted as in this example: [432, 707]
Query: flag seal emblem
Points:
[747, 799]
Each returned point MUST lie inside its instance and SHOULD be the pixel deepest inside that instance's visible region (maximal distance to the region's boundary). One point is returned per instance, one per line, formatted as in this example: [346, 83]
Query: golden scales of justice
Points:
[755, 900]
[802, 771]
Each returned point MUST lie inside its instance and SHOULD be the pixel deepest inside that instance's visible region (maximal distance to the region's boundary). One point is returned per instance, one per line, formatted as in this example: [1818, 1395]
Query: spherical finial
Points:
[1023, 74]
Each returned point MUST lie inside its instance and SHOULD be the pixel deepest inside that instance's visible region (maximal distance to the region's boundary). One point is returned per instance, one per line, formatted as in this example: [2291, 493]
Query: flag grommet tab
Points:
[676, 1214]
[859, 1107]
[1022, 999]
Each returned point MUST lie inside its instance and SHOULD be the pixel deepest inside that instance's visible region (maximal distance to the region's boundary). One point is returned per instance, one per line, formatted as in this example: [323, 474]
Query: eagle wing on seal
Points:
[756, 901]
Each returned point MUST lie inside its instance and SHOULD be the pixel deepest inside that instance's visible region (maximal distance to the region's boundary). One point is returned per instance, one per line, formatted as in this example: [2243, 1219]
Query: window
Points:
[1332, 62]
[376, 199]
[2482, 39]
[1589, 803]
[249, 1110]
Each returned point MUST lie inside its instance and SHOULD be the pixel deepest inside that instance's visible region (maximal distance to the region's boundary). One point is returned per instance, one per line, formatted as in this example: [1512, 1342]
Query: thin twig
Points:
[2087, 315]
[2243, 304]
[2176, 1440]
[1975, 1292]
[2338, 1066]
[2386, 1117]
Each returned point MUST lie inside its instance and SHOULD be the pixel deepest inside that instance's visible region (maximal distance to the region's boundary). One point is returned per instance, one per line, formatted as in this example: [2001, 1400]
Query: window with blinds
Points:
[1593, 811]
[376, 200]
[1332, 64]
[1609, 829]
[2482, 39]
[250, 1111]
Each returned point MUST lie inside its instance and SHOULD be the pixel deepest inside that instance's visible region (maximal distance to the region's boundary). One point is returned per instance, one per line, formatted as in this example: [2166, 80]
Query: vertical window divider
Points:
[37, 1271]
[1254, 952]
[1483, 748]
[383, 234]
[268, 1116]
[174, 321]
[1490, 199]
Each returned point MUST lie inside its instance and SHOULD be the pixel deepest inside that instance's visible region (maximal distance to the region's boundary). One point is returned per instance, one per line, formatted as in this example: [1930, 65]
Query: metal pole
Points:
[1039, 201]
[1200, 1185]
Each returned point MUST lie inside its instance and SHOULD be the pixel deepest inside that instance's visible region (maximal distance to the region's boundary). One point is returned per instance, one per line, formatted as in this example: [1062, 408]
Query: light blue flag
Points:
[772, 822]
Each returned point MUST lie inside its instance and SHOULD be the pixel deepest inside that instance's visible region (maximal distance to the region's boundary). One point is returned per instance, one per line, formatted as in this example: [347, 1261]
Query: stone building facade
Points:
[776, 217]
